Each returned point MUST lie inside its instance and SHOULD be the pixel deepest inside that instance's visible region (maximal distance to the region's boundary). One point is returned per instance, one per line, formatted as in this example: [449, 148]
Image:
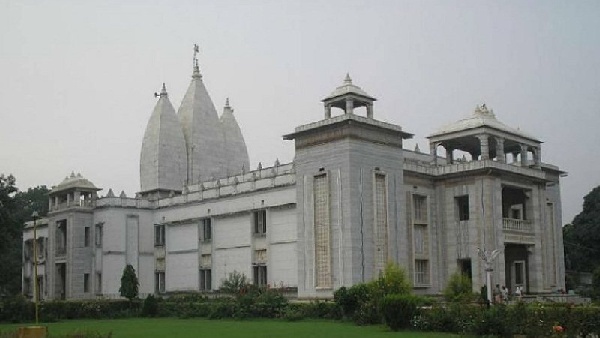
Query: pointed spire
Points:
[227, 103]
[347, 80]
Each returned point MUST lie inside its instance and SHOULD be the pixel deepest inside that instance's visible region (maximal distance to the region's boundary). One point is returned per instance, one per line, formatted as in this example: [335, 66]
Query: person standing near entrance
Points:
[504, 294]
[519, 292]
[497, 295]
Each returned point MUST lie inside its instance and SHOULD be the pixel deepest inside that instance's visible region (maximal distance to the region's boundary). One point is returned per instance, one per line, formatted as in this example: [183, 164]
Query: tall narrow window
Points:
[260, 222]
[159, 282]
[86, 236]
[98, 235]
[40, 247]
[381, 223]
[421, 272]
[205, 280]
[159, 234]
[98, 283]
[420, 209]
[206, 230]
[260, 275]
[420, 238]
[462, 206]
[86, 282]
[322, 231]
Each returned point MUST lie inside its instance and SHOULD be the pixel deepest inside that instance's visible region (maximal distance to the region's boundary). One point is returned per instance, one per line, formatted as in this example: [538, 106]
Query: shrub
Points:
[596, 283]
[368, 313]
[269, 304]
[492, 322]
[394, 281]
[17, 309]
[362, 302]
[150, 307]
[293, 313]
[459, 288]
[350, 300]
[223, 308]
[235, 284]
[399, 310]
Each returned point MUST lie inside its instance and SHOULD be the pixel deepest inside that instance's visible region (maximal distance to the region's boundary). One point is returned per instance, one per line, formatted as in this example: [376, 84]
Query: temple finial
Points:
[227, 103]
[163, 91]
[196, 72]
[347, 80]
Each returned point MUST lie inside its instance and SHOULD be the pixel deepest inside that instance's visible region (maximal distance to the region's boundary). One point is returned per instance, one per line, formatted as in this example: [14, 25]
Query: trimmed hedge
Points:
[531, 320]
[399, 310]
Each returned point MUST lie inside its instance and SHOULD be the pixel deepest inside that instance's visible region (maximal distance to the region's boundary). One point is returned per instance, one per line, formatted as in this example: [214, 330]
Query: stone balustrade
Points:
[517, 225]
[461, 167]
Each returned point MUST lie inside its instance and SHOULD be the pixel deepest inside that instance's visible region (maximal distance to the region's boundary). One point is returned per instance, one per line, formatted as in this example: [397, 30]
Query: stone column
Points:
[433, 152]
[500, 155]
[56, 202]
[76, 198]
[449, 155]
[485, 148]
[370, 110]
[327, 111]
[537, 156]
[69, 199]
[523, 155]
[349, 106]
[514, 154]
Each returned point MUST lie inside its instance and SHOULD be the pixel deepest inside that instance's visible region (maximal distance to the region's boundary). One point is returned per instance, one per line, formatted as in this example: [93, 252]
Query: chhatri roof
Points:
[348, 88]
[481, 117]
[163, 155]
[74, 181]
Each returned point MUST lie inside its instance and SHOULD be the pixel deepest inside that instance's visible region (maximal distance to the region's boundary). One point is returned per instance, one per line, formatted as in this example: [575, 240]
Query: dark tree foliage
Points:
[10, 238]
[582, 237]
[34, 199]
[129, 283]
[16, 208]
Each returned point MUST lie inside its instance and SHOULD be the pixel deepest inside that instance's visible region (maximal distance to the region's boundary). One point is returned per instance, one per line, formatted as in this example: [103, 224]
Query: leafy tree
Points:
[34, 199]
[16, 208]
[582, 237]
[10, 238]
[459, 288]
[129, 283]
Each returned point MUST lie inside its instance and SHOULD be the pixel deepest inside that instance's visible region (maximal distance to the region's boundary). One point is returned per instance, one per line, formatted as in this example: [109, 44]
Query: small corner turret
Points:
[347, 97]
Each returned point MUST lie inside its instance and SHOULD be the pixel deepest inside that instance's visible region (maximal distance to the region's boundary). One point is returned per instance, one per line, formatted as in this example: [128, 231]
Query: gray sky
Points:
[77, 78]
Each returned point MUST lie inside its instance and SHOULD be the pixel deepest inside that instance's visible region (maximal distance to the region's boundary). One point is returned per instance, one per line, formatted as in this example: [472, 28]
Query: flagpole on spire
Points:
[195, 60]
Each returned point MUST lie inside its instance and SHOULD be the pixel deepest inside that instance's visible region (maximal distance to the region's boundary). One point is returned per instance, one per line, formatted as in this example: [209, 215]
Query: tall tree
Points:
[582, 237]
[16, 208]
[10, 238]
[129, 283]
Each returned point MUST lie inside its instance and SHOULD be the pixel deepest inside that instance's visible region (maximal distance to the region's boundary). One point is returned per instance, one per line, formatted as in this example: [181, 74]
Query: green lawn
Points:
[182, 328]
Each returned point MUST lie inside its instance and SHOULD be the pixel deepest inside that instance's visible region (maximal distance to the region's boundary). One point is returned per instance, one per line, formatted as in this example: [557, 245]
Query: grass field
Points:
[183, 328]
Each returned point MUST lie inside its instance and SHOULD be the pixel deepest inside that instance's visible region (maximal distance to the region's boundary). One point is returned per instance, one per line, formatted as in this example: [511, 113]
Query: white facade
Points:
[352, 200]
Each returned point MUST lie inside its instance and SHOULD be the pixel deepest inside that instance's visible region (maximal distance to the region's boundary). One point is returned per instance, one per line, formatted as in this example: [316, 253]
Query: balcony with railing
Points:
[84, 204]
[521, 225]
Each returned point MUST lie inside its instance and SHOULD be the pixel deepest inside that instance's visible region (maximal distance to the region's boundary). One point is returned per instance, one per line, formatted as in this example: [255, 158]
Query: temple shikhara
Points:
[352, 200]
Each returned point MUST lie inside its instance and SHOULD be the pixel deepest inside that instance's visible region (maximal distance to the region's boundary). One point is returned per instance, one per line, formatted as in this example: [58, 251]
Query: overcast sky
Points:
[77, 78]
